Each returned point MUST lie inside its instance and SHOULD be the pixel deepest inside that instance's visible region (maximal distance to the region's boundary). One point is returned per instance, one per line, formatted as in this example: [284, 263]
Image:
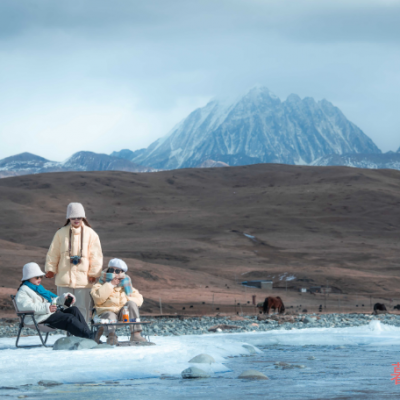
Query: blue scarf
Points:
[46, 294]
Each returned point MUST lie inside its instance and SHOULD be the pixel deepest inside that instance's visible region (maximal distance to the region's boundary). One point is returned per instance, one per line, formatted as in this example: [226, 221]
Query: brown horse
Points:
[274, 303]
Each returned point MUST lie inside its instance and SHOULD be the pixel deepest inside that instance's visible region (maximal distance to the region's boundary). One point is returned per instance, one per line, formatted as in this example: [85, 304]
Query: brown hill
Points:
[183, 230]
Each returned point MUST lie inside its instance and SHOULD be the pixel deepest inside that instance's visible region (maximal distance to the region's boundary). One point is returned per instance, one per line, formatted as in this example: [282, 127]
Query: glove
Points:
[49, 274]
[73, 297]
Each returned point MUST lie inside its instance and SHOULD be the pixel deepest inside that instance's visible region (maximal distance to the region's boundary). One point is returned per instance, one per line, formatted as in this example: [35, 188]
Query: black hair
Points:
[85, 221]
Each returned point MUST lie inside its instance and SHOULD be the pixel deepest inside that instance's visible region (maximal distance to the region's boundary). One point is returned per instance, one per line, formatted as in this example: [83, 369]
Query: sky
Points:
[102, 75]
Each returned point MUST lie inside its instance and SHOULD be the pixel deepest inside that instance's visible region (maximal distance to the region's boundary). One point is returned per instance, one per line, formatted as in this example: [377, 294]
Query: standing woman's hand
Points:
[49, 274]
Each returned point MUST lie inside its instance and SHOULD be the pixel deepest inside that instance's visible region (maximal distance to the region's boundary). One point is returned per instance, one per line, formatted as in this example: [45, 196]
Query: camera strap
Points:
[70, 241]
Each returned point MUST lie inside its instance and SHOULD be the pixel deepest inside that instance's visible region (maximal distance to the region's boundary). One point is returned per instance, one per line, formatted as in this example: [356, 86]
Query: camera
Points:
[75, 260]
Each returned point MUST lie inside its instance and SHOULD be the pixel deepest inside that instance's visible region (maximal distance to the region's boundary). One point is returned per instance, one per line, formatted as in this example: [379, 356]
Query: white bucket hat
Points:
[31, 270]
[117, 263]
[75, 210]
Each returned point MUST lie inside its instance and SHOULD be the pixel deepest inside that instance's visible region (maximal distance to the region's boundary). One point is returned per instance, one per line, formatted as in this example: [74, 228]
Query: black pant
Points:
[70, 320]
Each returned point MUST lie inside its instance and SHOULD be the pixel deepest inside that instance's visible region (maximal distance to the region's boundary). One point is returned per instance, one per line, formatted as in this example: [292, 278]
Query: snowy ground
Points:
[349, 362]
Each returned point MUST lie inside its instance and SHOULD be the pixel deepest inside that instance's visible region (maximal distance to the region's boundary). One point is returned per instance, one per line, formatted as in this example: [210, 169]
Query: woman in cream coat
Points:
[75, 258]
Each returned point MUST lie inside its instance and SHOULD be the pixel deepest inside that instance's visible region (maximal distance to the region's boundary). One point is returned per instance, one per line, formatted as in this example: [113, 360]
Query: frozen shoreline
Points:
[200, 325]
[171, 355]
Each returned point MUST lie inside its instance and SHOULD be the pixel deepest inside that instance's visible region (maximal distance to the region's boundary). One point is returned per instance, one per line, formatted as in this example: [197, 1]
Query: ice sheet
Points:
[170, 356]
[373, 334]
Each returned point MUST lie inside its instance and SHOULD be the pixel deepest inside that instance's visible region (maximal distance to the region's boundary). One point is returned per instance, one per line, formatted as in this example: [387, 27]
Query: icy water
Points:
[353, 363]
[353, 372]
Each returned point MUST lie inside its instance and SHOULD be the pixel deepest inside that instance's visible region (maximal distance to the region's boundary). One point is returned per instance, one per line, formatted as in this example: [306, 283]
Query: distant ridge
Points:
[28, 163]
[371, 161]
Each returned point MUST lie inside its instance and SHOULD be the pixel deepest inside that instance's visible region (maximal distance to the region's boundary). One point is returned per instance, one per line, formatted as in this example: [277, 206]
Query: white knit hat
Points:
[75, 210]
[117, 263]
[31, 270]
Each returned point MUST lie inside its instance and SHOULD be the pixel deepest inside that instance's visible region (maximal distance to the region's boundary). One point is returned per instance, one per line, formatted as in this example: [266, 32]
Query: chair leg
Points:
[21, 325]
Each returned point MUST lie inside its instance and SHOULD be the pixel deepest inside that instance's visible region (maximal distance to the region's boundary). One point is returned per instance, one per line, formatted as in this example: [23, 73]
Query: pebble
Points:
[202, 359]
[253, 374]
[194, 373]
[199, 326]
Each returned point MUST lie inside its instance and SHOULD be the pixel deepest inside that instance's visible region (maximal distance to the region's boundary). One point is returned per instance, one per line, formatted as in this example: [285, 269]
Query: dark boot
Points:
[97, 335]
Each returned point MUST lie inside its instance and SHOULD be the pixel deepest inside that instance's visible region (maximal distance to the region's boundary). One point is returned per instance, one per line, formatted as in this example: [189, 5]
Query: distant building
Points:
[261, 284]
[325, 289]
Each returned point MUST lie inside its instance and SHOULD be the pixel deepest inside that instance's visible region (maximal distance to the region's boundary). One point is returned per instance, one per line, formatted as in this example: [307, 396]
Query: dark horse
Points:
[379, 307]
[275, 303]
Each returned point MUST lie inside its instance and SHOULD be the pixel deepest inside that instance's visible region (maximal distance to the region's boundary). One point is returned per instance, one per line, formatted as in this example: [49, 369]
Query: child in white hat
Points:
[114, 292]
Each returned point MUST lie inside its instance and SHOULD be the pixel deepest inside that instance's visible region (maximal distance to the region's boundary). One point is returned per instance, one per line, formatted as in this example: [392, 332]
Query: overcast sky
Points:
[106, 75]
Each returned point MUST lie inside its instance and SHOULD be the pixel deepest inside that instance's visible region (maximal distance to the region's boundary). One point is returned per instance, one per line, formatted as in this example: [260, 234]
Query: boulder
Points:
[202, 359]
[293, 366]
[262, 317]
[74, 343]
[253, 374]
[309, 320]
[250, 349]
[281, 364]
[222, 327]
[47, 383]
[194, 373]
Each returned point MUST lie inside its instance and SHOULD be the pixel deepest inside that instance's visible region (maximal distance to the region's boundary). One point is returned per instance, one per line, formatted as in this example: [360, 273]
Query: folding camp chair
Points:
[39, 327]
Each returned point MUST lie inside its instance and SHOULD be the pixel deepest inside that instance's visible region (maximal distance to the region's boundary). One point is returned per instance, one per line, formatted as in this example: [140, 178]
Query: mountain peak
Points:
[257, 128]
[23, 157]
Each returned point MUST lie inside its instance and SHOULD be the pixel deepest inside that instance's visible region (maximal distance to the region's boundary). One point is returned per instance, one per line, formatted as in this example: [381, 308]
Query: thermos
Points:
[125, 314]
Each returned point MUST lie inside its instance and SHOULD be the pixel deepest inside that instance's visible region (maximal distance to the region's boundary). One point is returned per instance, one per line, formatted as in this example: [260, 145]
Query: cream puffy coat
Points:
[28, 300]
[57, 259]
[106, 297]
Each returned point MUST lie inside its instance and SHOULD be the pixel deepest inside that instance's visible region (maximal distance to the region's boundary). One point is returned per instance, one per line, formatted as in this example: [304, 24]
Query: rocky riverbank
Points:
[206, 325]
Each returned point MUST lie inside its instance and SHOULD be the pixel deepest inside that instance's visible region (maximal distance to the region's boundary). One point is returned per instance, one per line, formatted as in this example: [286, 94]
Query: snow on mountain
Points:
[257, 128]
[88, 161]
[212, 164]
[27, 163]
[127, 154]
[372, 161]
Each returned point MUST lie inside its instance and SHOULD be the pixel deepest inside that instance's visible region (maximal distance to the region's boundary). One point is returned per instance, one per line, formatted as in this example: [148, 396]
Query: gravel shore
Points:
[201, 325]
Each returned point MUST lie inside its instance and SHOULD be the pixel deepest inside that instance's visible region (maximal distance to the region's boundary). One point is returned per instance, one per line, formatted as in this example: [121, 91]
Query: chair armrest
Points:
[29, 312]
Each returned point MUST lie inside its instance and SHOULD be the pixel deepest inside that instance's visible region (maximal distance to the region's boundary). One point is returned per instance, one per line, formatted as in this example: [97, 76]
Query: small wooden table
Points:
[96, 326]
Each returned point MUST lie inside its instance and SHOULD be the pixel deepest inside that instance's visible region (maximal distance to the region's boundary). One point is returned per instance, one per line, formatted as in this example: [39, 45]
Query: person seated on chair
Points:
[33, 296]
[114, 291]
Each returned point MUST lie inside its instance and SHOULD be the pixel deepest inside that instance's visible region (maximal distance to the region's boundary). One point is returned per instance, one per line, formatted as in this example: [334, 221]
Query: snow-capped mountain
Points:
[27, 163]
[257, 128]
[388, 160]
[88, 161]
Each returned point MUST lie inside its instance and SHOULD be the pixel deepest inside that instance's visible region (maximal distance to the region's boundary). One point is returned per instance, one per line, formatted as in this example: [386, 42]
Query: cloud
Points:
[138, 67]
